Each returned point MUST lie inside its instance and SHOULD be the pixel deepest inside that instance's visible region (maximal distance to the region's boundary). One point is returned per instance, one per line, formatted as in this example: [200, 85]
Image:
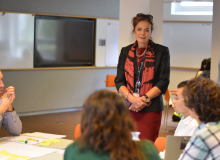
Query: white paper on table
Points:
[61, 152]
[24, 138]
[44, 135]
[25, 150]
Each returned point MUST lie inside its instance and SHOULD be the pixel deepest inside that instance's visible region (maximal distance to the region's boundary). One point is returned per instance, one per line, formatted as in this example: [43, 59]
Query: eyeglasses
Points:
[145, 15]
[177, 98]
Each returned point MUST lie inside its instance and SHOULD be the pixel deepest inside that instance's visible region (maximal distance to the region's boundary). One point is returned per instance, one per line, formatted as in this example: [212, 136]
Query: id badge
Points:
[135, 94]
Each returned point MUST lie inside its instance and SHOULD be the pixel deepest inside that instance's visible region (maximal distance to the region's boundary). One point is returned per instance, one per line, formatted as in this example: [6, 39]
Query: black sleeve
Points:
[120, 78]
[164, 71]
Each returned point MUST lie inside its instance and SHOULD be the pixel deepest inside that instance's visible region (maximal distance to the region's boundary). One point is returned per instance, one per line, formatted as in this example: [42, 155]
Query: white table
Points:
[53, 156]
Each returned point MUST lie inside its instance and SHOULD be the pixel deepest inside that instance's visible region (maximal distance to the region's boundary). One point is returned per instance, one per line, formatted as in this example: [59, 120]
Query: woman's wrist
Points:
[130, 98]
[126, 97]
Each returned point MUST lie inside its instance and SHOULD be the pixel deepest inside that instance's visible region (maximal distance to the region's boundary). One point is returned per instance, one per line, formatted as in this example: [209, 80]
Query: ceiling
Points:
[186, 0]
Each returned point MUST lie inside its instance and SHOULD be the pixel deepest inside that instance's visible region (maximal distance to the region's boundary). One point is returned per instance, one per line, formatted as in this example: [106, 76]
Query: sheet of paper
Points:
[23, 138]
[16, 150]
[61, 152]
[45, 135]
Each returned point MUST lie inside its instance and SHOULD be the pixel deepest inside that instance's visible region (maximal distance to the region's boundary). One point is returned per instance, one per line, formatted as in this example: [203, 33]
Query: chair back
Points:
[167, 95]
[160, 143]
[110, 80]
[77, 132]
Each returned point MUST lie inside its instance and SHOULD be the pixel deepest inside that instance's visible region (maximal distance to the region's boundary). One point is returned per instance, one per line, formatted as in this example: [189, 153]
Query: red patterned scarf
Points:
[148, 69]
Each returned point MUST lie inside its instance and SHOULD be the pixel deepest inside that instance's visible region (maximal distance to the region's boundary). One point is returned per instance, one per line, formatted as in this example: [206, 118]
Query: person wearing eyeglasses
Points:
[187, 125]
[202, 97]
[143, 74]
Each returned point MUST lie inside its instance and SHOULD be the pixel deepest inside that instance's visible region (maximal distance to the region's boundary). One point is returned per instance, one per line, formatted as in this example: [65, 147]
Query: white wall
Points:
[129, 9]
[168, 17]
[43, 90]
[179, 75]
[215, 40]
[156, 9]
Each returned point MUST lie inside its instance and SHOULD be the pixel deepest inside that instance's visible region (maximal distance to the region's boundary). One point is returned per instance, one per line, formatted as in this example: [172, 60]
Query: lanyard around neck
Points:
[140, 66]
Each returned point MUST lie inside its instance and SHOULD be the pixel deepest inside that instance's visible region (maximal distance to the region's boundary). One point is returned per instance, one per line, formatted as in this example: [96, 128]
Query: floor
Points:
[65, 123]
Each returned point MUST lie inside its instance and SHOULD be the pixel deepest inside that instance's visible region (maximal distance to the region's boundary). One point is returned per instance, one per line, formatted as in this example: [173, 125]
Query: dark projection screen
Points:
[62, 41]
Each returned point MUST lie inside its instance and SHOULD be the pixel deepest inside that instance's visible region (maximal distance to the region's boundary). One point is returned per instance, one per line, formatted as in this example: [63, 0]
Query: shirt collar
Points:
[187, 120]
[202, 125]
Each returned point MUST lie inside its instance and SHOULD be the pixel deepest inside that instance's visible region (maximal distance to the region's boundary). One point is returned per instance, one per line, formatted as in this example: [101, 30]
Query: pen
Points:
[32, 139]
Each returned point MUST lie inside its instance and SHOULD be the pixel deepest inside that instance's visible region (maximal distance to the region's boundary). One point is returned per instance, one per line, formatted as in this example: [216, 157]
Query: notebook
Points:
[175, 146]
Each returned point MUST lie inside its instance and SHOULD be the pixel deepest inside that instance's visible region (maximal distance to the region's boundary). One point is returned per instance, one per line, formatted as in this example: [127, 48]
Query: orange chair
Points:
[166, 110]
[160, 144]
[168, 105]
[77, 132]
[110, 81]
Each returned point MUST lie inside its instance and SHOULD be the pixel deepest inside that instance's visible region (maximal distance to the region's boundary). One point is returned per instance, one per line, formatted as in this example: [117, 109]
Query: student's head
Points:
[208, 64]
[178, 101]
[142, 27]
[106, 125]
[202, 97]
[1, 84]
[203, 64]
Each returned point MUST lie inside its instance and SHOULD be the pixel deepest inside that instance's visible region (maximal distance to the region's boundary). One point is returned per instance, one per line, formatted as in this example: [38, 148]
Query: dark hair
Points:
[182, 84]
[143, 17]
[106, 126]
[208, 64]
[204, 62]
[203, 95]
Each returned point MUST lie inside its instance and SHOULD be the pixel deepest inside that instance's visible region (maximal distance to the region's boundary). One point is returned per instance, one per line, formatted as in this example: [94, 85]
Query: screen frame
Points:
[65, 64]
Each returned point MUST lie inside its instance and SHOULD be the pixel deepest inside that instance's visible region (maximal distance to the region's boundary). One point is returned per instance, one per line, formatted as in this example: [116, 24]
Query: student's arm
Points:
[195, 149]
[12, 123]
[9, 118]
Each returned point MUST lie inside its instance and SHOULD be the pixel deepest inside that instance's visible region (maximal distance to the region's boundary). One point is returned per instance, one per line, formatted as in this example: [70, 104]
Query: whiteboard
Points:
[112, 38]
[188, 43]
[16, 41]
[101, 33]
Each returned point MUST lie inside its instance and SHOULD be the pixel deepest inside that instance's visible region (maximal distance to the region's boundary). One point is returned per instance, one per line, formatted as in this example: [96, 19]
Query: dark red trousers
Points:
[148, 123]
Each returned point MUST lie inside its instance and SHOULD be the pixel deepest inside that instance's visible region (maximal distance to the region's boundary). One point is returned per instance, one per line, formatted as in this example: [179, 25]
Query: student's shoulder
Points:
[145, 143]
[149, 150]
[72, 149]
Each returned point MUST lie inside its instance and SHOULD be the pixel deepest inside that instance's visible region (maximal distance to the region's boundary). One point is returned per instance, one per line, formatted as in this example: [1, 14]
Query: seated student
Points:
[187, 125]
[206, 72]
[106, 132]
[202, 68]
[8, 117]
[202, 97]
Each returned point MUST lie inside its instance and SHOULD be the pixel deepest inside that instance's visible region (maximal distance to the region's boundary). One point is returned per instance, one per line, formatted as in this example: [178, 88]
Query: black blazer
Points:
[161, 74]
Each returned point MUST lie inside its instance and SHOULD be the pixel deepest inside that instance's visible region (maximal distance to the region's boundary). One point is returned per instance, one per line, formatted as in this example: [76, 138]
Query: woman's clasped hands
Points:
[138, 103]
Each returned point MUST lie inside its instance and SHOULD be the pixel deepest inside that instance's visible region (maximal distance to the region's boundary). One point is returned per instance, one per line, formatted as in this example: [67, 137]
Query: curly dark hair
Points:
[203, 95]
[106, 126]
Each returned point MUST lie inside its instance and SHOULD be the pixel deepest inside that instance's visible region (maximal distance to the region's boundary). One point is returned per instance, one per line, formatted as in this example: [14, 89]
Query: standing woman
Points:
[143, 73]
